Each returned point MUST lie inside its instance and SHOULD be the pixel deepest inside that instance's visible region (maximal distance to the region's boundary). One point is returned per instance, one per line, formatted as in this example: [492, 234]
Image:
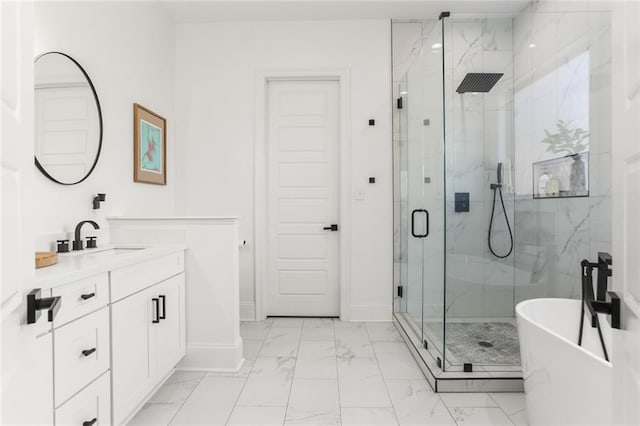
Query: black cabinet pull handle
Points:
[333, 228]
[164, 307]
[413, 216]
[90, 422]
[156, 305]
[88, 352]
[87, 296]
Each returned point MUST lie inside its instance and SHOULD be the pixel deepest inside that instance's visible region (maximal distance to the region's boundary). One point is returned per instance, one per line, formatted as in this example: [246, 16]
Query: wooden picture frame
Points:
[149, 146]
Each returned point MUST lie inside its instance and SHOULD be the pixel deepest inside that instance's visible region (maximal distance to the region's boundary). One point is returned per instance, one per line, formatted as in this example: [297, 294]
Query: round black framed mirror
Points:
[68, 119]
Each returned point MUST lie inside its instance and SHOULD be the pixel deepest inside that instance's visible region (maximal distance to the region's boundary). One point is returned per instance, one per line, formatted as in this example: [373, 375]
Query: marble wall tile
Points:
[572, 25]
[466, 41]
[497, 34]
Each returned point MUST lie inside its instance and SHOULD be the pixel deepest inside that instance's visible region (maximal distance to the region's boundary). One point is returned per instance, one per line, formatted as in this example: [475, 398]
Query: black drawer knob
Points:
[87, 296]
[88, 352]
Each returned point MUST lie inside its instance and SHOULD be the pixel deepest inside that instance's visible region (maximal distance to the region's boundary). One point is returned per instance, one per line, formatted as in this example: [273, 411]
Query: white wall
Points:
[216, 66]
[127, 49]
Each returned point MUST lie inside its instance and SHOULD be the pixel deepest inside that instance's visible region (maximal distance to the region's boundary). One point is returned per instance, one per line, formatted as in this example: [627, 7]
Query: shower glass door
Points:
[420, 207]
[480, 328]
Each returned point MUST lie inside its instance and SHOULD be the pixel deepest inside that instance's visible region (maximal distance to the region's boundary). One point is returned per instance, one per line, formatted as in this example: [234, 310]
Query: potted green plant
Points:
[571, 141]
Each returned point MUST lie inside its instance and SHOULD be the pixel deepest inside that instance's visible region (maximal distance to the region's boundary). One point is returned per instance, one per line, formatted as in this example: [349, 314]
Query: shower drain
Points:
[485, 344]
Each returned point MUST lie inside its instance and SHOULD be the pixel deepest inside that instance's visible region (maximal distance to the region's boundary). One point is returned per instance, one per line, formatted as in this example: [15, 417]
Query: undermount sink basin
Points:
[113, 250]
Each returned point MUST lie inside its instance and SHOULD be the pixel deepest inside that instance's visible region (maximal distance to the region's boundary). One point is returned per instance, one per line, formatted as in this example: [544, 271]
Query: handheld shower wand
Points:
[497, 187]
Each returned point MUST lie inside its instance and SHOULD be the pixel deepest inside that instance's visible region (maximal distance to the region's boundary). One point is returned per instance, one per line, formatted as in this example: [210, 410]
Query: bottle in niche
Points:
[542, 184]
[553, 187]
[577, 178]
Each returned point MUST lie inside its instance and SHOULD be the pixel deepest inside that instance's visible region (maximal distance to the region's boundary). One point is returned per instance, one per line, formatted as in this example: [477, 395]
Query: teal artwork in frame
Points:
[149, 146]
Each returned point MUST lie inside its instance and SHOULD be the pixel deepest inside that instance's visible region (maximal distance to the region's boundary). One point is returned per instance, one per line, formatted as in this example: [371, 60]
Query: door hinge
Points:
[400, 291]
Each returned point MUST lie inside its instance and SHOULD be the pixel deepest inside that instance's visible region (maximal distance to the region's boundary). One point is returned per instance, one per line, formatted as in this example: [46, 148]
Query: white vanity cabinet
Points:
[118, 334]
[147, 334]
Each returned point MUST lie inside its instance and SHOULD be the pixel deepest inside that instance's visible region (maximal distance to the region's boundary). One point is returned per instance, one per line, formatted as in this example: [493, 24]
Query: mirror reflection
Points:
[68, 121]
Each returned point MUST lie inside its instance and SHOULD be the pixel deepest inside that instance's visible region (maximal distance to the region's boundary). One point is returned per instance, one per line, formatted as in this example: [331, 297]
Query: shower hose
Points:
[498, 189]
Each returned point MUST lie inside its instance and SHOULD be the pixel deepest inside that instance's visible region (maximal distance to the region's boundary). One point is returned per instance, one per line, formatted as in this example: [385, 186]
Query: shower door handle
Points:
[413, 223]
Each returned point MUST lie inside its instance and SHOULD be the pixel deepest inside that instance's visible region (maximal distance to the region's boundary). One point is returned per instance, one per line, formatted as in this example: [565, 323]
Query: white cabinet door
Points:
[170, 331]
[133, 351]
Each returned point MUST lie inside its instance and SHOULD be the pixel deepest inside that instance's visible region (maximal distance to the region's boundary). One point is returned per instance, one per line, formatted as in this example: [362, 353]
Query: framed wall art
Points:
[149, 146]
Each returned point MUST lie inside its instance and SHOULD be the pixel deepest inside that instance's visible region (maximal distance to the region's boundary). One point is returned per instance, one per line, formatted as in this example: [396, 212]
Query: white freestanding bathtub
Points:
[565, 384]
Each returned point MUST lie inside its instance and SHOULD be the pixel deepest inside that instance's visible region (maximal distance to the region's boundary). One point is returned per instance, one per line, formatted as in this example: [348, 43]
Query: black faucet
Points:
[77, 243]
[603, 301]
[604, 272]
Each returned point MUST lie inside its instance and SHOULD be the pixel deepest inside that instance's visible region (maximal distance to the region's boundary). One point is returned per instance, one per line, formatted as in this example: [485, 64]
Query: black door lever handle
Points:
[333, 227]
[36, 303]
[88, 352]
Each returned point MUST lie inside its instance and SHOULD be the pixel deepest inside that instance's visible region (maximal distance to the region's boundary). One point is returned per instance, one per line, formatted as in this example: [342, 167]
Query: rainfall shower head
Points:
[478, 82]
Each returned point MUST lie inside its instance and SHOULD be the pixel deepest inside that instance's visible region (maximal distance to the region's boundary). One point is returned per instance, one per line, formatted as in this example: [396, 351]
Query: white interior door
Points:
[303, 198]
[27, 360]
[626, 204]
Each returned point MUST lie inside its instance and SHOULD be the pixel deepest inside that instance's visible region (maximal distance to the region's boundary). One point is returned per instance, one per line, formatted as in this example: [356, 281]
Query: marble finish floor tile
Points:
[211, 402]
[251, 348]
[269, 382]
[313, 402]
[254, 330]
[395, 361]
[316, 360]
[352, 416]
[155, 414]
[383, 332]
[281, 341]
[257, 416]
[415, 403]
[318, 333]
[322, 371]
[361, 383]
[513, 405]
[467, 400]
[480, 416]
[177, 388]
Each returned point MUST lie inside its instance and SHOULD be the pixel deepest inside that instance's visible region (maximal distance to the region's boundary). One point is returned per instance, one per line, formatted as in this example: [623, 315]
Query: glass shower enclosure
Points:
[477, 108]
[458, 300]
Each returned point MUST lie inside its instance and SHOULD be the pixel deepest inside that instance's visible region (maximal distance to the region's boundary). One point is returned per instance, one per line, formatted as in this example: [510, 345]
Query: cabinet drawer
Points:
[134, 278]
[81, 297]
[81, 353]
[94, 402]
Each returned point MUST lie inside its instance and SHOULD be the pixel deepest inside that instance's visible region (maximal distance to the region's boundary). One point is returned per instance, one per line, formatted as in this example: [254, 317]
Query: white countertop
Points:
[81, 264]
[178, 218]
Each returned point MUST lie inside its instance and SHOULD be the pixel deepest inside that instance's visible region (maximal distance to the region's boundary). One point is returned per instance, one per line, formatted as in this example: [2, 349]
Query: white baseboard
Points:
[212, 357]
[247, 311]
[372, 312]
